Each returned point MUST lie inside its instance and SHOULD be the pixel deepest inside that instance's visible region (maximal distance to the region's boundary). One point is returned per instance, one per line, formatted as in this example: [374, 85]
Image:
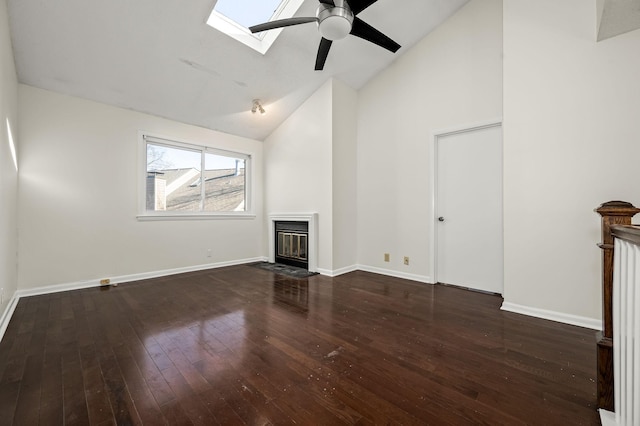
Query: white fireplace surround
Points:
[312, 222]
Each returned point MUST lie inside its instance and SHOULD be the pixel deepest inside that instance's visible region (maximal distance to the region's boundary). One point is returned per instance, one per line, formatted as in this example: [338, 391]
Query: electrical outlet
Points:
[105, 281]
[1, 296]
[386, 257]
[208, 252]
[406, 260]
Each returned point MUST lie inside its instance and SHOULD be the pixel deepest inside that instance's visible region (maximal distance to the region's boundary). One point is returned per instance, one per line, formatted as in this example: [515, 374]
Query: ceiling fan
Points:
[336, 19]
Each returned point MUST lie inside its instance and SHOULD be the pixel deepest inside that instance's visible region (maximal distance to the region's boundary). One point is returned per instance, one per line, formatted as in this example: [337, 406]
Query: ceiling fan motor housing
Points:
[335, 22]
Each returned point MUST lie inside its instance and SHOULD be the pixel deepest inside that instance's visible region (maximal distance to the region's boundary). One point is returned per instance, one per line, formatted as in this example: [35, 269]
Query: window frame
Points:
[170, 142]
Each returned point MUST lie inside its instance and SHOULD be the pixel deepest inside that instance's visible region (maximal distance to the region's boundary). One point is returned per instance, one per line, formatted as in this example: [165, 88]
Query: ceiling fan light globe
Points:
[334, 22]
[335, 27]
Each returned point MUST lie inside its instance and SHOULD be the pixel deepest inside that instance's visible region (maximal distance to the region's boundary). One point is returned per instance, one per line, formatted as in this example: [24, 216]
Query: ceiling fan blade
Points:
[358, 6]
[367, 32]
[281, 23]
[323, 51]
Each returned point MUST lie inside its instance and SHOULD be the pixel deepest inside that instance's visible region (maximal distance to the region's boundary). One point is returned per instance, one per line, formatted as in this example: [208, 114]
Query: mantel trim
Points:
[311, 219]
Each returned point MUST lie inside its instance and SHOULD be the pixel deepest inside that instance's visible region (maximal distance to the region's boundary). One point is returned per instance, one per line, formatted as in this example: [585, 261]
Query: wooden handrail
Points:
[630, 233]
[616, 220]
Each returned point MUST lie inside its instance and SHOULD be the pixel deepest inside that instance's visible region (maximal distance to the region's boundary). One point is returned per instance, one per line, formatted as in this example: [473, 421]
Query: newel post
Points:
[613, 213]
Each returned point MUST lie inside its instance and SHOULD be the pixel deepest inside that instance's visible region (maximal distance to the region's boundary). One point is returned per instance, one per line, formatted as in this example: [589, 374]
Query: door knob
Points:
[441, 219]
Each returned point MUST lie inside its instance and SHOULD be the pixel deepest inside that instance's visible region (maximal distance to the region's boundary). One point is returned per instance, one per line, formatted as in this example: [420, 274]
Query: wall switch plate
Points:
[386, 257]
[406, 260]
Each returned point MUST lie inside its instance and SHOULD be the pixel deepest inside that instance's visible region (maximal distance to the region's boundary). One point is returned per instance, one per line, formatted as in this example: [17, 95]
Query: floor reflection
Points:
[200, 343]
[292, 294]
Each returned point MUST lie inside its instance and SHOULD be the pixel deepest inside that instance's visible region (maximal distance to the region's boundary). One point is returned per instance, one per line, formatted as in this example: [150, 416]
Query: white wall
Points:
[298, 170]
[451, 78]
[572, 141]
[570, 104]
[8, 173]
[345, 240]
[78, 196]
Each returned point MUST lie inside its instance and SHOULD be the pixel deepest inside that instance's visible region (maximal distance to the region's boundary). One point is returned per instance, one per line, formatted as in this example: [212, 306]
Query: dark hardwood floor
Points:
[240, 345]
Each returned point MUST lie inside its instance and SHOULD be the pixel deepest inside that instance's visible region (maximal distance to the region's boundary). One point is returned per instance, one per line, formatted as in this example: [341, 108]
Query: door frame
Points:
[433, 163]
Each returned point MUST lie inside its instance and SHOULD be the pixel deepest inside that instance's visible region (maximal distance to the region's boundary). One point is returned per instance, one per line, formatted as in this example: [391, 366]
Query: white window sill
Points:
[200, 216]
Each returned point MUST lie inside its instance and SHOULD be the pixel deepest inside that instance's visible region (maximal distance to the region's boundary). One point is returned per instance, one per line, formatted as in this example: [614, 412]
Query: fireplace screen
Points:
[292, 245]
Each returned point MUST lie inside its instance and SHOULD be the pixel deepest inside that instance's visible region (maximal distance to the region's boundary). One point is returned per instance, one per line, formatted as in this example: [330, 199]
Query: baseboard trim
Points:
[7, 314]
[336, 272]
[552, 315]
[412, 277]
[345, 270]
[607, 418]
[325, 272]
[131, 277]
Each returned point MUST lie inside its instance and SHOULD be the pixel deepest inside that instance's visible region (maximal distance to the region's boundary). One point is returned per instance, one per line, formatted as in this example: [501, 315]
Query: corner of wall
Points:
[8, 171]
[344, 175]
[298, 175]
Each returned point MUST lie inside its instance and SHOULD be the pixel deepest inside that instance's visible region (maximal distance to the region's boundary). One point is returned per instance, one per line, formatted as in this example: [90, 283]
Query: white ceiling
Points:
[159, 57]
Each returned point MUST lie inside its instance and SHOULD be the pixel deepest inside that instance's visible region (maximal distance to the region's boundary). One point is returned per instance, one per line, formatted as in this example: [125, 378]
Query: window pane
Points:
[173, 179]
[224, 184]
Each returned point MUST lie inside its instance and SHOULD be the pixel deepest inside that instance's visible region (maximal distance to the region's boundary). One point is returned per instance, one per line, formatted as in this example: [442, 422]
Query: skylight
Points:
[233, 17]
[248, 12]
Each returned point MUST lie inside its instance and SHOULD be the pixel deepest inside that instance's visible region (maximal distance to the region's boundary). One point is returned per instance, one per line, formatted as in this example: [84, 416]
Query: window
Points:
[190, 180]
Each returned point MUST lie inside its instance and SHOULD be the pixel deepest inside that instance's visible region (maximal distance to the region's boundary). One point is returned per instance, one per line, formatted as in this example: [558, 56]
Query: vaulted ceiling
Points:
[159, 57]
[617, 17]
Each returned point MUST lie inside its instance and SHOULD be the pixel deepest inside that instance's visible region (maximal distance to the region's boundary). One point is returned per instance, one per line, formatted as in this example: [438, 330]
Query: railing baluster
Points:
[618, 349]
[636, 342]
[626, 325]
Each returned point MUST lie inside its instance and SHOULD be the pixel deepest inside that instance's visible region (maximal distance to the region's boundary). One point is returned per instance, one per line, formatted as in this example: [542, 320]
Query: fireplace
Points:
[292, 243]
[297, 235]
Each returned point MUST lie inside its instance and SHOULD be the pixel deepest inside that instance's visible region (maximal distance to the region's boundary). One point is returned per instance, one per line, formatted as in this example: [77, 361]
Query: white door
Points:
[469, 244]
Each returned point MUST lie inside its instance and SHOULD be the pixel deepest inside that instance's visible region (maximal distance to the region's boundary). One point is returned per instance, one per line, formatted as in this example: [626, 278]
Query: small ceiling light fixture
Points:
[257, 106]
[335, 21]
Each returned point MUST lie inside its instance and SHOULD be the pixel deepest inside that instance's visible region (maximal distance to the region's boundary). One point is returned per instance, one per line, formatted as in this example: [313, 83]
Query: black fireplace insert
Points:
[292, 243]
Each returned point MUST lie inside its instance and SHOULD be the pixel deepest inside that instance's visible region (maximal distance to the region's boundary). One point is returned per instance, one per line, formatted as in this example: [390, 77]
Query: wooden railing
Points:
[616, 232]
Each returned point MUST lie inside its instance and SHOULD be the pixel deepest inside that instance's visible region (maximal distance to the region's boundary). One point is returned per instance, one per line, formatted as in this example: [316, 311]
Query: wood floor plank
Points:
[174, 414]
[28, 407]
[51, 402]
[8, 401]
[146, 405]
[240, 345]
[150, 373]
[98, 406]
[74, 397]
[122, 405]
[193, 405]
